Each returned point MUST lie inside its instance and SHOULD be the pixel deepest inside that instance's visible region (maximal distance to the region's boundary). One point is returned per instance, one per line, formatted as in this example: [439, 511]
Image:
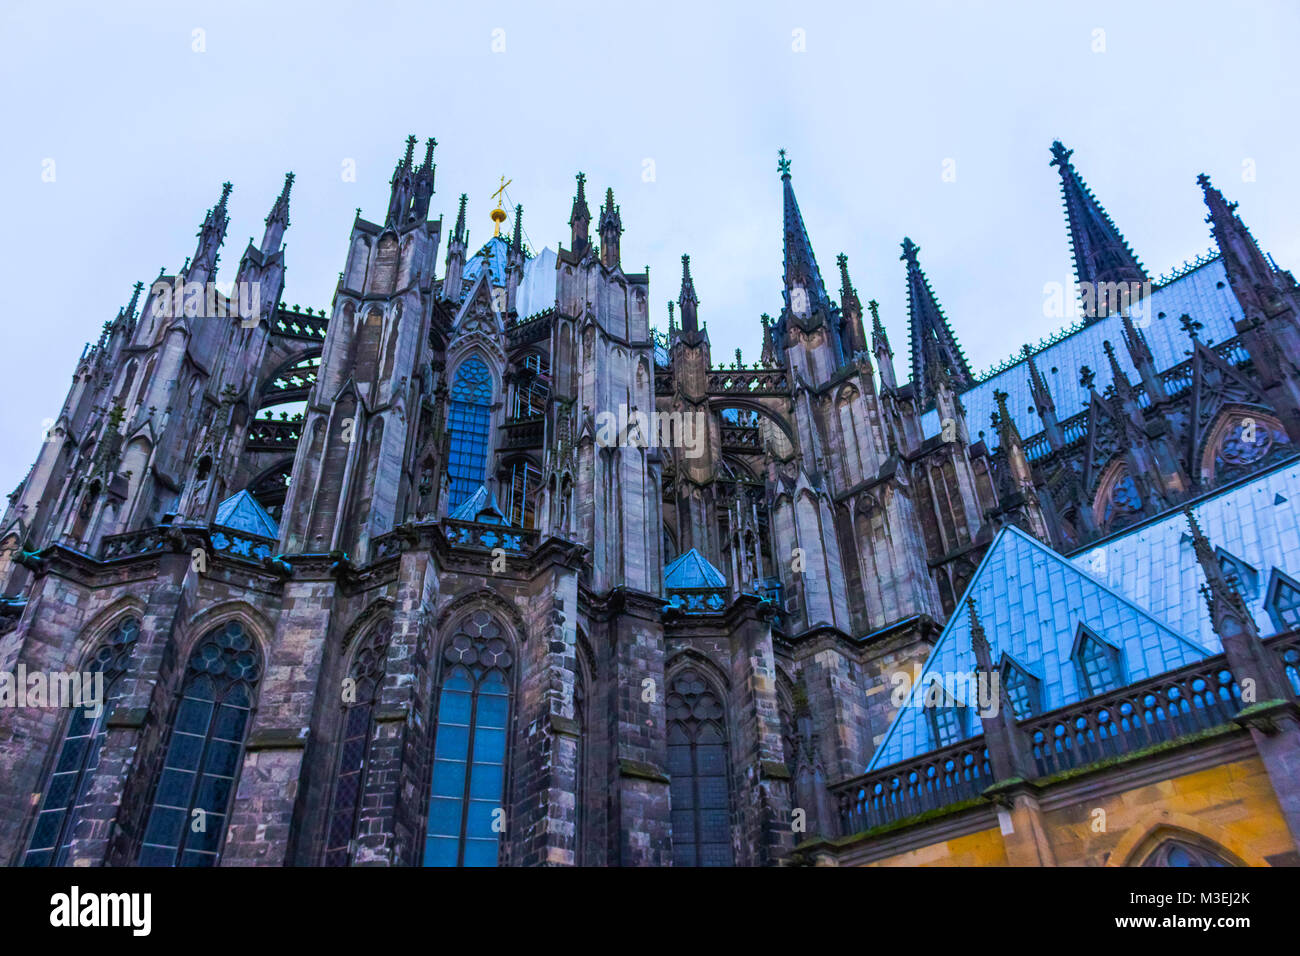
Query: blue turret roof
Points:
[481, 506]
[691, 570]
[241, 512]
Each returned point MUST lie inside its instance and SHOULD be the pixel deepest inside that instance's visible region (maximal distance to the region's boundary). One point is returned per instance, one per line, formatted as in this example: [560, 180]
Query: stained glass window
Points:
[466, 803]
[359, 698]
[1124, 499]
[469, 417]
[64, 801]
[1098, 663]
[697, 765]
[1178, 853]
[193, 794]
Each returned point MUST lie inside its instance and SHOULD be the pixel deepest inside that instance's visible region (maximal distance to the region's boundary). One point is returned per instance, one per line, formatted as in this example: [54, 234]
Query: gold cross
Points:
[504, 183]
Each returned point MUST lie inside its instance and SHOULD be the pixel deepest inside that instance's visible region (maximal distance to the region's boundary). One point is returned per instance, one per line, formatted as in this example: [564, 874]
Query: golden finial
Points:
[498, 214]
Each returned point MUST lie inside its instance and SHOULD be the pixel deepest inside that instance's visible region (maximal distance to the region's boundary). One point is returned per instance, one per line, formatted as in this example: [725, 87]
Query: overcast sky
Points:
[679, 107]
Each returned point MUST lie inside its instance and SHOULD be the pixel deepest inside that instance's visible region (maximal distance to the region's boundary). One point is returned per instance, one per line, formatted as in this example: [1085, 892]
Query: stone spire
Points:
[456, 248]
[1006, 745]
[928, 323]
[881, 349]
[1250, 274]
[278, 219]
[852, 333]
[423, 186]
[611, 227]
[580, 218]
[403, 184]
[1140, 352]
[1232, 620]
[806, 301]
[135, 300]
[458, 231]
[1043, 402]
[1101, 256]
[687, 300]
[517, 237]
[211, 235]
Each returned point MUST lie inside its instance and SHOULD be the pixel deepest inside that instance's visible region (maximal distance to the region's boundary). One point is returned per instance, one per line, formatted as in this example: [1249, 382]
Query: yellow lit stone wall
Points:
[1229, 809]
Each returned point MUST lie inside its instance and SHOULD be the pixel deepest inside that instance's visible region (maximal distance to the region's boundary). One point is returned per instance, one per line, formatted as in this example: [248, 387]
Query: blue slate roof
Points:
[536, 290]
[1257, 522]
[481, 506]
[1202, 293]
[494, 253]
[241, 512]
[691, 570]
[1031, 602]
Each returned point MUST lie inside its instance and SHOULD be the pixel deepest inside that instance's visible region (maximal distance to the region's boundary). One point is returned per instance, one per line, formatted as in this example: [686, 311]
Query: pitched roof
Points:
[691, 570]
[241, 512]
[1031, 602]
[1202, 293]
[481, 506]
[1153, 565]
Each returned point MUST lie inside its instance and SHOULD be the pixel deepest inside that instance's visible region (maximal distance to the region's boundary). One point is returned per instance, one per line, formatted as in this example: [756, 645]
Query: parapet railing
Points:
[1155, 711]
[222, 540]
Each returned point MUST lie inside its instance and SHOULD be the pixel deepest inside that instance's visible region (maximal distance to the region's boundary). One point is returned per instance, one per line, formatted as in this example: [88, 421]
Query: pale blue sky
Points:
[143, 130]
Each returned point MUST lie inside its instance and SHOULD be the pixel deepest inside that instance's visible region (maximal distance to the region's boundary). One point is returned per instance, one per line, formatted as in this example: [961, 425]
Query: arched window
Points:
[64, 800]
[697, 764]
[1098, 663]
[193, 793]
[1023, 689]
[470, 745]
[1178, 853]
[470, 420]
[357, 727]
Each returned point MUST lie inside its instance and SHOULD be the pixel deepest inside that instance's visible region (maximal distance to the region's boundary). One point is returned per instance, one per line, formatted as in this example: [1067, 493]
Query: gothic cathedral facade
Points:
[481, 568]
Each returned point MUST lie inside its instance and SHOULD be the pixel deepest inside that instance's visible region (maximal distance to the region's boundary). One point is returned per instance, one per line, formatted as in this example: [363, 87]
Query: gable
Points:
[1257, 522]
[1031, 602]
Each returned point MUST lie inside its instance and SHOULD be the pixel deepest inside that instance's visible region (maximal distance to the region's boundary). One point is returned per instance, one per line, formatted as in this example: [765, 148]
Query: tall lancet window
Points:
[360, 694]
[64, 802]
[470, 421]
[192, 799]
[697, 764]
[470, 743]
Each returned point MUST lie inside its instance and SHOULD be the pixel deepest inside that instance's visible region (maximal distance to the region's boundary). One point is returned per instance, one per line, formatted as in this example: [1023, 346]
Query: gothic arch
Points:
[1142, 839]
[375, 611]
[1226, 435]
[103, 623]
[764, 411]
[201, 623]
[477, 345]
[477, 679]
[489, 601]
[1117, 497]
[690, 657]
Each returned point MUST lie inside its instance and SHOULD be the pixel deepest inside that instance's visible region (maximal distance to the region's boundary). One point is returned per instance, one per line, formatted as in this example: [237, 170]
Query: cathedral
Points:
[478, 567]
